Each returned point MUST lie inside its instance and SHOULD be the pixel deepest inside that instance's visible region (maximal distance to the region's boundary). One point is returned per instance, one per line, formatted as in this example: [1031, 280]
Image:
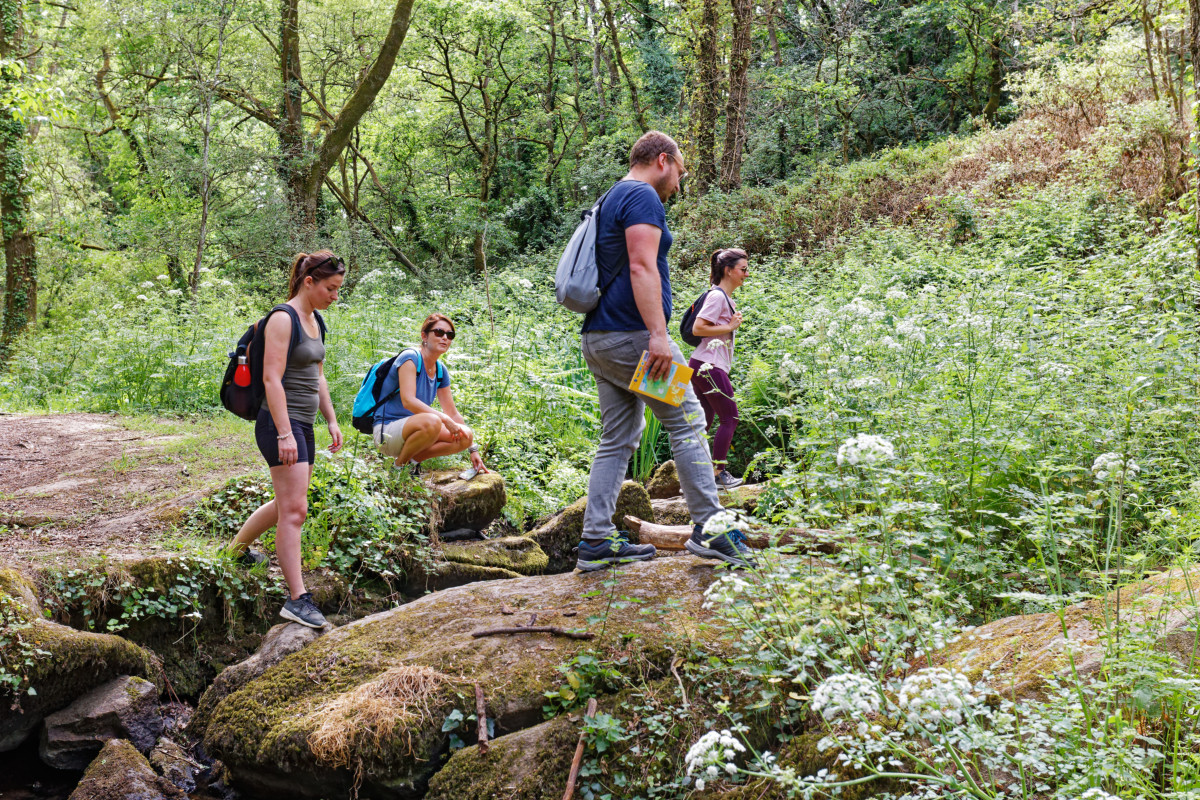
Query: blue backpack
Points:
[368, 401]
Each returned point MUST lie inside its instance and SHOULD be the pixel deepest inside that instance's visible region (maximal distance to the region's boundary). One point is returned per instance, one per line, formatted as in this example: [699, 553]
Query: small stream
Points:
[23, 776]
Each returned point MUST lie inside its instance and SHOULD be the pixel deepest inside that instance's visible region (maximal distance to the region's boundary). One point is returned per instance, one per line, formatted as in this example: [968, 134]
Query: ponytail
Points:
[319, 265]
[722, 261]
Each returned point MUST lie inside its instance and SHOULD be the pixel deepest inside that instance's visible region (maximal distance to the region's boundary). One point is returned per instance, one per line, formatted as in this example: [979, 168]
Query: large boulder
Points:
[281, 641]
[369, 698]
[124, 708]
[664, 482]
[120, 772]
[531, 764]
[466, 504]
[559, 536]
[64, 663]
[1018, 654]
[517, 553]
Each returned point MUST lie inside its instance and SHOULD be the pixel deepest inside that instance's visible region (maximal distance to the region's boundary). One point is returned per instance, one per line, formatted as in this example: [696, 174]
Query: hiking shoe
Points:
[729, 547]
[725, 480]
[600, 553]
[304, 611]
[412, 468]
[250, 558]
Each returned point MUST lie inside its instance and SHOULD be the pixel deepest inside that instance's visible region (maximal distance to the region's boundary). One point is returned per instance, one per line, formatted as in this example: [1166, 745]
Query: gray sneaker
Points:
[729, 547]
[725, 480]
[304, 611]
[597, 554]
[250, 558]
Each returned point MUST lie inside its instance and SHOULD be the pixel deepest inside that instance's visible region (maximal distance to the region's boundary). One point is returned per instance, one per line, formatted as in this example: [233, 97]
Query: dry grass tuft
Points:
[367, 717]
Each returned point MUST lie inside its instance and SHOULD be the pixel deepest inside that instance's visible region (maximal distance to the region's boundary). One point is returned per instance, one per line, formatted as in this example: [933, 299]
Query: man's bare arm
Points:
[642, 243]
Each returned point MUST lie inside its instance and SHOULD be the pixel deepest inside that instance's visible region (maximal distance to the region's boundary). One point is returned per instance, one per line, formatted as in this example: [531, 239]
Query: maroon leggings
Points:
[715, 393]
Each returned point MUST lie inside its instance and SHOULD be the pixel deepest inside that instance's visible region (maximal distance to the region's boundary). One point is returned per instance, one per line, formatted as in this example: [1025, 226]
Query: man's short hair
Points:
[652, 144]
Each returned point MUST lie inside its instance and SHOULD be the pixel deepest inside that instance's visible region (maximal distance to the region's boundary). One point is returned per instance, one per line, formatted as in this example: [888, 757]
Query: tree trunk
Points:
[706, 98]
[735, 104]
[1194, 53]
[305, 168]
[995, 79]
[20, 254]
[638, 113]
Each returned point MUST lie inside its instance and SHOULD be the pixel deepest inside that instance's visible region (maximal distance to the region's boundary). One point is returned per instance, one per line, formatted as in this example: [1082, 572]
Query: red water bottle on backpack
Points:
[241, 376]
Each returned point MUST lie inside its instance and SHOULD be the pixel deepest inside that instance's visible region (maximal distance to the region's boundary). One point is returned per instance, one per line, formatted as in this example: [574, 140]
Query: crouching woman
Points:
[407, 427]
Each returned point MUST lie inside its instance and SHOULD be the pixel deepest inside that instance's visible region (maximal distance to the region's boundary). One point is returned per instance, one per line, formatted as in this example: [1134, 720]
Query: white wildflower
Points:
[869, 382]
[175, 292]
[142, 298]
[1110, 466]
[163, 278]
[890, 343]
[808, 326]
[810, 341]
[896, 293]
[865, 449]
[525, 283]
[910, 330]
[1056, 370]
[147, 284]
[1096, 793]
[705, 367]
[721, 522]
[713, 752]
[226, 283]
[833, 328]
[785, 330]
[936, 695]
[716, 344]
[858, 307]
[846, 694]
[118, 306]
[725, 590]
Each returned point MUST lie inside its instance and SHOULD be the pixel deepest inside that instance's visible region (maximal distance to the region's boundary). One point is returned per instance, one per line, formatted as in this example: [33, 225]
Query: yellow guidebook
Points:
[669, 389]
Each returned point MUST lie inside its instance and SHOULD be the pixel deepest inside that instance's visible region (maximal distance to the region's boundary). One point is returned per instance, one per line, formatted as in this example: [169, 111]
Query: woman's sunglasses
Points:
[439, 332]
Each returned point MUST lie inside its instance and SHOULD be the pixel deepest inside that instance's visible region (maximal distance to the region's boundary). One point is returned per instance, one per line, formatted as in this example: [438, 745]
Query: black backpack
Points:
[689, 317]
[245, 401]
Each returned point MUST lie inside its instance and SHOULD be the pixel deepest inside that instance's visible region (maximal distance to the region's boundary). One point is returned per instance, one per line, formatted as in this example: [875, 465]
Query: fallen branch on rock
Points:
[577, 761]
[481, 717]
[539, 629]
[672, 537]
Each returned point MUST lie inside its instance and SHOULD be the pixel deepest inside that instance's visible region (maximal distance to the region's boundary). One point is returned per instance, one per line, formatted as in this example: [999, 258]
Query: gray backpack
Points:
[577, 279]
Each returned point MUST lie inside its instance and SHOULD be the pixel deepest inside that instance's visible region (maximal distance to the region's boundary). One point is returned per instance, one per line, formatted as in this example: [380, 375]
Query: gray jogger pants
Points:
[612, 357]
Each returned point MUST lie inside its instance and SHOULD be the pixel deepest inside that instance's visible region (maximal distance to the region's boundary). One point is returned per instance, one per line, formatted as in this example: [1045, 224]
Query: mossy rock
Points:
[531, 764]
[664, 482]
[439, 575]
[265, 731]
[120, 772]
[517, 553]
[466, 504]
[559, 536]
[19, 588]
[1017, 654]
[77, 662]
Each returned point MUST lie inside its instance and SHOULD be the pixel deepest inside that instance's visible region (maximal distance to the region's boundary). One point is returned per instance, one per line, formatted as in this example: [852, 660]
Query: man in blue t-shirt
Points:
[632, 240]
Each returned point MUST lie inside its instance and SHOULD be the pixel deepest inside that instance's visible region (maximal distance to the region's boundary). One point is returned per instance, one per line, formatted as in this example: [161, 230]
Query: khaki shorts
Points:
[389, 438]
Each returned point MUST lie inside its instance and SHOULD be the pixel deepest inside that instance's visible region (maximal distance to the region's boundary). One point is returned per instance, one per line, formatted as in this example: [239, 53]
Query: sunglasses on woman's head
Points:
[439, 332]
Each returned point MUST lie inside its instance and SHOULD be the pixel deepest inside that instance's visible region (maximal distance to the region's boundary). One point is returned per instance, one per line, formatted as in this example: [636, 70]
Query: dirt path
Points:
[74, 486]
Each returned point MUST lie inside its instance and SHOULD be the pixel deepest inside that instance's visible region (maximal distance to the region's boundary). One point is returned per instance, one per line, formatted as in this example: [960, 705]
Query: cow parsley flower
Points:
[716, 344]
[865, 449]
[910, 330]
[142, 298]
[721, 522]
[847, 694]
[1110, 466]
[147, 284]
[869, 382]
[896, 293]
[936, 695]
[163, 278]
[786, 330]
[890, 343]
[1056, 370]
[725, 590]
[858, 307]
[713, 753]
[525, 283]
[1096, 793]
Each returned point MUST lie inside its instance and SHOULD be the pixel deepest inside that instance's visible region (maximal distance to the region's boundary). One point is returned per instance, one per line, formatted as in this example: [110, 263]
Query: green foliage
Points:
[18, 652]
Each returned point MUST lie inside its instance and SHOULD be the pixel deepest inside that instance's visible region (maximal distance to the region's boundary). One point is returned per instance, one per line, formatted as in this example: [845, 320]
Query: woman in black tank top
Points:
[295, 389]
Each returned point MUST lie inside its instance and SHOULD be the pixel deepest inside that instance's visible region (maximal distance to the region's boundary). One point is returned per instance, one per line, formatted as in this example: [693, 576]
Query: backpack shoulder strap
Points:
[320, 324]
[291, 312]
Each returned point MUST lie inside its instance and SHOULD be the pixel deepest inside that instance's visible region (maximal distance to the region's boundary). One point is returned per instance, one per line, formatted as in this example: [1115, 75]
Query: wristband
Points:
[283, 436]
[473, 448]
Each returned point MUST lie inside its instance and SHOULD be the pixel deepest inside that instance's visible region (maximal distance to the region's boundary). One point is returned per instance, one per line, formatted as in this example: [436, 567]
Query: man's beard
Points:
[663, 188]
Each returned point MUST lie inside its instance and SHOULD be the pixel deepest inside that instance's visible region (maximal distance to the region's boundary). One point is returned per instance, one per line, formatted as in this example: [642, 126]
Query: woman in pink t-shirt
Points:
[716, 321]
